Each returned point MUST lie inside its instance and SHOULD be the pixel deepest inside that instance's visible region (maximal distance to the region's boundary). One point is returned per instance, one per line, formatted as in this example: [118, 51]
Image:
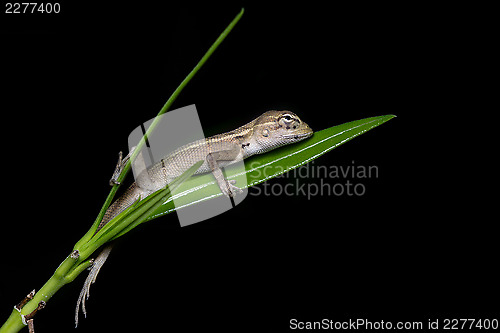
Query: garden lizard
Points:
[271, 130]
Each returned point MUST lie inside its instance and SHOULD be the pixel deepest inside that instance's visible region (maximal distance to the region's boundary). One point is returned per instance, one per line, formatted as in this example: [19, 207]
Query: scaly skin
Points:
[271, 130]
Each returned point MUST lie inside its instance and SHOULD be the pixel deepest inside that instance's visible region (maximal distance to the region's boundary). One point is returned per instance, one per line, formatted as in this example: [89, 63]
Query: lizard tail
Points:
[85, 293]
[130, 196]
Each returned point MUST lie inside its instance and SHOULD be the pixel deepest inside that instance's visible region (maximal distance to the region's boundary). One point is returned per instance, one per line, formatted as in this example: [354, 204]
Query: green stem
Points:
[13, 323]
[179, 89]
[155, 122]
[71, 267]
[58, 279]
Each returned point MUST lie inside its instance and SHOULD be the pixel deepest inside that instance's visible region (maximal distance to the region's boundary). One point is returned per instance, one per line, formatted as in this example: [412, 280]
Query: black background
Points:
[417, 245]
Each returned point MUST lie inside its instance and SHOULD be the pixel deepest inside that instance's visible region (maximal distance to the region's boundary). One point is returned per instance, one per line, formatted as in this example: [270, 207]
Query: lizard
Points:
[270, 130]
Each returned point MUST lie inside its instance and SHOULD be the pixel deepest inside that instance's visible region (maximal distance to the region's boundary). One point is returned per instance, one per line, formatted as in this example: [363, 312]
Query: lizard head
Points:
[278, 128]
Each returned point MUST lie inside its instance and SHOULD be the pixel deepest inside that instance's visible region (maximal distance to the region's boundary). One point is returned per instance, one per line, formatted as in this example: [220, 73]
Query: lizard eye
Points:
[265, 133]
[288, 121]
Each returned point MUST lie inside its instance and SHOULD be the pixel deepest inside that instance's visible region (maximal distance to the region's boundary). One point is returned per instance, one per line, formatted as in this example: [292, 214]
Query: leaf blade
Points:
[260, 168]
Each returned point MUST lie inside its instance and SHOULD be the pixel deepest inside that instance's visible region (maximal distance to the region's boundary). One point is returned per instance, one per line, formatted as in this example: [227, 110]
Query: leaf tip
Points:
[387, 118]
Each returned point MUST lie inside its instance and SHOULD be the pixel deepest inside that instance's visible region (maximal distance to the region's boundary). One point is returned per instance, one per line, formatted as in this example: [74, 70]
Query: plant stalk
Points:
[72, 266]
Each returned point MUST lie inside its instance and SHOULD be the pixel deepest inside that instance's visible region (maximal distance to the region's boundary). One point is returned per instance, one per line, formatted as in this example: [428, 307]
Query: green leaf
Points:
[151, 128]
[260, 168]
[134, 215]
[163, 195]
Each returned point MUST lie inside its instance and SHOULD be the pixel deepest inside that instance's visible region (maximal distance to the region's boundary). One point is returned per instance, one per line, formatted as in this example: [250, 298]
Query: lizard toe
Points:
[229, 189]
[234, 189]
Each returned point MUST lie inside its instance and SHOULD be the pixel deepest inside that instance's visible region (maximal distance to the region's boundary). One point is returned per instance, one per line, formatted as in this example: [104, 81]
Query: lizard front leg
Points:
[119, 167]
[226, 186]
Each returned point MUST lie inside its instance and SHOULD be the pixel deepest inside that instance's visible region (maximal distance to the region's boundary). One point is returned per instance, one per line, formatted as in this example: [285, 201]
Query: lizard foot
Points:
[229, 189]
[119, 167]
